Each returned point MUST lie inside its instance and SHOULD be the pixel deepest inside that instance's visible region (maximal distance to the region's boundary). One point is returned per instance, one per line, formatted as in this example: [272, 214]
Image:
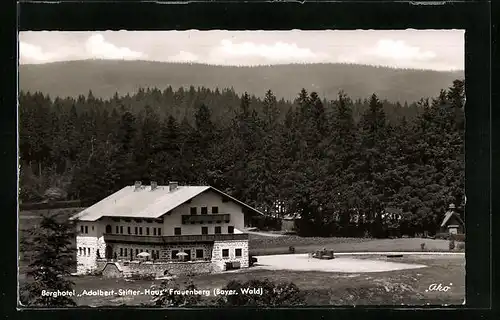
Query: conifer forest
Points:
[327, 160]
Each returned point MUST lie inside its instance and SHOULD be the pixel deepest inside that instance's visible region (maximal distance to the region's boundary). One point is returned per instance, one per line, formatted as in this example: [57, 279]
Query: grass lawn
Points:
[406, 287]
[261, 245]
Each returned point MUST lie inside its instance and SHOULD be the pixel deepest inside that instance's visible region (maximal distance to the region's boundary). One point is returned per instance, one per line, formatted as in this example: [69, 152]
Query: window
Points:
[177, 231]
[204, 210]
[147, 250]
[108, 229]
[174, 254]
[193, 210]
[86, 229]
[147, 231]
[82, 229]
[237, 252]
[135, 229]
[218, 230]
[125, 253]
[121, 252]
[117, 229]
[80, 251]
[215, 210]
[88, 251]
[136, 251]
[159, 231]
[121, 229]
[128, 230]
[92, 228]
[199, 253]
[225, 253]
[140, 230]
[204, 230]
[154, 231]
[230, 229]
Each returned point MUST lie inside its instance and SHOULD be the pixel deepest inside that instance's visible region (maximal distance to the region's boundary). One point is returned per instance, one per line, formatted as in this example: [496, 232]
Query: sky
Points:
[416, 49]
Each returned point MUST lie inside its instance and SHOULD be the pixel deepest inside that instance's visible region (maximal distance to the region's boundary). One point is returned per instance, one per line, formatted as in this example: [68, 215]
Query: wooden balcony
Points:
[206, 218]
[158, 240]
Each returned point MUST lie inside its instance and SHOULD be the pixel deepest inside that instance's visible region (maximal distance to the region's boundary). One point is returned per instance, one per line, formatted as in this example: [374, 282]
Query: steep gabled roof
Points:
[447, 217]
[146, 203]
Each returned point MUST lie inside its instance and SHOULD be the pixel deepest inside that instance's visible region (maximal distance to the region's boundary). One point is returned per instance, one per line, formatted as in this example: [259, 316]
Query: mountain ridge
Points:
[105, 77]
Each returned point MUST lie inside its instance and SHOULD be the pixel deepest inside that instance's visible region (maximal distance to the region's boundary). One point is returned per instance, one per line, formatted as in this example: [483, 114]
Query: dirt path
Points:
[264, 234]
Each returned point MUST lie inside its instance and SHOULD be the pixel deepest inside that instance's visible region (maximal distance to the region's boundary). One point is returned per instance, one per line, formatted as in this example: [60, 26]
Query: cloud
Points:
[397, 54]
[183, 56]
[97, 47]
[29, 53]
[399, 50]
[246, 53]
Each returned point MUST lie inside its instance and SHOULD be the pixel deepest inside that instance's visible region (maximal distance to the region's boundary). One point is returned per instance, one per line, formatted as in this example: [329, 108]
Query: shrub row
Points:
[446, 236]
[50, 205]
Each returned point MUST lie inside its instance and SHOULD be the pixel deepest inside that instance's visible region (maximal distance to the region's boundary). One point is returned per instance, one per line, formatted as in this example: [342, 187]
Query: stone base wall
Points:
[220, 261]
[173, 268]
[86, 262]
[118, 269]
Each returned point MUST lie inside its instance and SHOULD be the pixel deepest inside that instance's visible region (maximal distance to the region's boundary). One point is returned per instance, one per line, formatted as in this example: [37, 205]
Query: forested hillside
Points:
[105, 77]
[324, 159]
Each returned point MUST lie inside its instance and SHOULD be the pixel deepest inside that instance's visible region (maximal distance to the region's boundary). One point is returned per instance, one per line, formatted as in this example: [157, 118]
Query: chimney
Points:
[138, 185]
[172, 186]
[153, 185]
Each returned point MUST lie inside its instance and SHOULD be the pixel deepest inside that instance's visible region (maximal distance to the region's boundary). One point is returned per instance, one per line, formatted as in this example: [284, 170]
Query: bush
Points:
[447, 236]
[266, 223]
[452, 244]
[95, 273]
[442, 235]
[291, 249]
[166, 299]
[422, 246]
[458, 237]
[143, 276]
[282, 294]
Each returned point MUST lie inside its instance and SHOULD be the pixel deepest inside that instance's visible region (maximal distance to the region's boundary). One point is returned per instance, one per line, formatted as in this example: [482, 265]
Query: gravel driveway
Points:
[302, 262]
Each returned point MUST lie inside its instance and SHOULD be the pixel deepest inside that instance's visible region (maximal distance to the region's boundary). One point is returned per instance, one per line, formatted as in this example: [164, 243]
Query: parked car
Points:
[252, 260]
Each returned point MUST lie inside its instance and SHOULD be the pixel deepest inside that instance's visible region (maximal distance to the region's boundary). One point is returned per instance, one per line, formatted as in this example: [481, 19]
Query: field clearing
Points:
[406, 287]
[261, 246]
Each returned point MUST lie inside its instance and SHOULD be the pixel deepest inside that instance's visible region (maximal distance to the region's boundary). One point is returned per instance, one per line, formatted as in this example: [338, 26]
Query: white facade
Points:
[91, 242]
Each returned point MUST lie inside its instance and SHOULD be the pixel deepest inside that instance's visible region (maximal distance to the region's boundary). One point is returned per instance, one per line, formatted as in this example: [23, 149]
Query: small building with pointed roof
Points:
[452, 222]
